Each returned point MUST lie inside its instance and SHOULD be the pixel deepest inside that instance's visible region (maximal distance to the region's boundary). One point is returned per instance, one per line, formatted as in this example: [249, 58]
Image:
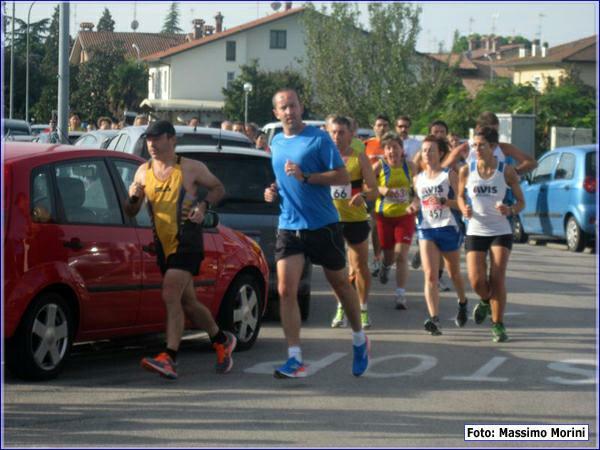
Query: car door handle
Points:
[74, 244]
[566, 187]
[150, 248]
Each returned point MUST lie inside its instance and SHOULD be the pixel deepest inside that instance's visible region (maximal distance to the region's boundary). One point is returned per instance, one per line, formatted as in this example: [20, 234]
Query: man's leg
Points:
[346, 295]
[358, 258]
[289, 273]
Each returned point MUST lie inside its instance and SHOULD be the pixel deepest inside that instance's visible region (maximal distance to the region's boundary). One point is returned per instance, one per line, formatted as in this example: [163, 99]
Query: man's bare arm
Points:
[136, 197]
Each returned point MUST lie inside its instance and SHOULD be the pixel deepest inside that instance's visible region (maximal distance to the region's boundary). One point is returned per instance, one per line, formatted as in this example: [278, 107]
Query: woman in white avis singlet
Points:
[481, 190]
[438, 231]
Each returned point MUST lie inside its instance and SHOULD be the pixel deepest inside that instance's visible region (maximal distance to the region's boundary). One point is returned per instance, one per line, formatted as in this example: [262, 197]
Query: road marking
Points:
[312, 367]
[482, 374]
[426, 363]
[565, 366]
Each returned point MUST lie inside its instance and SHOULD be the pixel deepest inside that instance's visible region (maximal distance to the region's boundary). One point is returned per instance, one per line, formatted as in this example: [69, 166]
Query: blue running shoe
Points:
[291, 369]
[360, 363]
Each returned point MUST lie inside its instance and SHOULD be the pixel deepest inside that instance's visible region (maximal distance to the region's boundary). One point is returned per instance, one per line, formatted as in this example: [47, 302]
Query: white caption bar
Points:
[572, 432]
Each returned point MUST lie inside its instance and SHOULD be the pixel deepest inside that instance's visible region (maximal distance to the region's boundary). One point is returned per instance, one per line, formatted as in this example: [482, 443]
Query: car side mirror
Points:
[211, 219]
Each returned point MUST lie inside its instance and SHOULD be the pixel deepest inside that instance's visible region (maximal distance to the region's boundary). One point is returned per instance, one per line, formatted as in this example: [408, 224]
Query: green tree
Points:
[128, 87]
[48, 99]
[106, 22]
[264, 86]
[363, 74]
[171, 24]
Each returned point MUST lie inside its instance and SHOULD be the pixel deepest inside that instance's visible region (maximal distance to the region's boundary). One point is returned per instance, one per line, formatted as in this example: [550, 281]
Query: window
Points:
[566, 167]
[230, 78]
[42, 210]
[127, 171]
[544, 169]
[87, 193]
[230, 51]
[278, 39]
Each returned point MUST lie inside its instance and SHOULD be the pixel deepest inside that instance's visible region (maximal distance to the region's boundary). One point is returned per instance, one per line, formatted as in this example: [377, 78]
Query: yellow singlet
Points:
[169, 205]
[398, 178]
[342, 194]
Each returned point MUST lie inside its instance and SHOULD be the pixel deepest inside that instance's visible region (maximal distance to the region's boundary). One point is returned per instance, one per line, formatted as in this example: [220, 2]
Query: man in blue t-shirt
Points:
[306, 163]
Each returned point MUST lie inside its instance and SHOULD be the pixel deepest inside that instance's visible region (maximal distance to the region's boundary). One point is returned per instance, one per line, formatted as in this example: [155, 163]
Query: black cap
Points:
[159, 128]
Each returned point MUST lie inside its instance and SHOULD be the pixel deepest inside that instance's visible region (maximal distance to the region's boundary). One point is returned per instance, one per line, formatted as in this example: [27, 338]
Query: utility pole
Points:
[27, 66]
[63, 73]
[12, 63]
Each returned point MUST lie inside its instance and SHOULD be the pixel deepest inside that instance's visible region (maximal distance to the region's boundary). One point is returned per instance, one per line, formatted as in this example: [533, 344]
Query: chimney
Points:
[219, 22]
[198, 28]
[288, 6]
[208, 30]
[86, 26]
[522, 52]
[495, 44]
[545, 50]
[534, 47]
[473, 44]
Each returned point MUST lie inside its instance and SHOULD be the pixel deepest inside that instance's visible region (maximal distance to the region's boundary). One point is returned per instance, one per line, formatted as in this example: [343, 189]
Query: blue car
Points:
[560, 198]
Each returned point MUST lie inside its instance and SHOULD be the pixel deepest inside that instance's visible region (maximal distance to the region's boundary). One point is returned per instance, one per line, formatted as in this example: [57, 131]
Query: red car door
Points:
[102, 251]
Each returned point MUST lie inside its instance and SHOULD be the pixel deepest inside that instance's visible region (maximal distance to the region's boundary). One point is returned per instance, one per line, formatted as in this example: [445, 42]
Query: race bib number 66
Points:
[341, 192]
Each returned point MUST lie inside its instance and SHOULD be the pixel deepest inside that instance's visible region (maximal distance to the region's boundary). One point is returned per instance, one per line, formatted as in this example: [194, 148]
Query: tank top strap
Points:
[500, 166]
[473, 166]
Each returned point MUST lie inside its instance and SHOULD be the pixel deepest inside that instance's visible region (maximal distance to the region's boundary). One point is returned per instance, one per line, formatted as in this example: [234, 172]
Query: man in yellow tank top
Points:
[349, 201]
[170, 185]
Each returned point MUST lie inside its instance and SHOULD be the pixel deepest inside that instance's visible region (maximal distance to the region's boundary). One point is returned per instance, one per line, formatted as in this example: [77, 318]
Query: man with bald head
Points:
[307, 165]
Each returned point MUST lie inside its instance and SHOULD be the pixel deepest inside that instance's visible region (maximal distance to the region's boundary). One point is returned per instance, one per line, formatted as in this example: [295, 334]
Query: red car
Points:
[76, 268]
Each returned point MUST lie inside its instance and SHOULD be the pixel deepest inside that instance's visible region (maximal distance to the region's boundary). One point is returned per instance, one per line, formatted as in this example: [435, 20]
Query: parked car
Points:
[38, 128]
[129, 140]
[16, 130]
[365, 133]
[560, 198]
[246, 173]
[96, 138]
[47, 137]
[274, 128]
[78, 269]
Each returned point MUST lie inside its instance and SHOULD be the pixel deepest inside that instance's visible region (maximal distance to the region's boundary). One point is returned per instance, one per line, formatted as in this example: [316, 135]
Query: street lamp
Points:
[247, 90]
[27, 67]
[137, 50]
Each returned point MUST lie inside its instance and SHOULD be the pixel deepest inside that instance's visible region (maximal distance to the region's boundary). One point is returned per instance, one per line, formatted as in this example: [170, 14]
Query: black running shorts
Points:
[323, 246]
[483, 243]
[190, 251]
[356, 232]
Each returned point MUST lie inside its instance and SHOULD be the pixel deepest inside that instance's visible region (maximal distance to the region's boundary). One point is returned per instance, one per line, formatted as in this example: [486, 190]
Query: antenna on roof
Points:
[134, 23]
[275, 6]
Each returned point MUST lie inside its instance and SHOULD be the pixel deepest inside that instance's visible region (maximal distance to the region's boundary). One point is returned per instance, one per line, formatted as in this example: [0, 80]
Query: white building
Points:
[188, 79]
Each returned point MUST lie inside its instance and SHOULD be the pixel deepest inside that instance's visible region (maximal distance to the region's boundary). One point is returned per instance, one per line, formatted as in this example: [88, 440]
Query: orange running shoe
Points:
[163, 364]
[224, 351]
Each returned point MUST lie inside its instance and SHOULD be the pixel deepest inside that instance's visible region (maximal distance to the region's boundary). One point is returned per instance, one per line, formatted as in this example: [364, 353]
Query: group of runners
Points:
[333, 192]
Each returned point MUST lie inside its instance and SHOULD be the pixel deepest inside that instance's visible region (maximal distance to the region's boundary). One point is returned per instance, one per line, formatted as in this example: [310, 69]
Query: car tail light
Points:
[589, 184]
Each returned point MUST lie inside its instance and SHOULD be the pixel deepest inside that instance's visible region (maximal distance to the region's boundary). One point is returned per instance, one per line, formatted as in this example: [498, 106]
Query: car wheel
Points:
[304, 304]
[519, 235]
[43, 340]
[241, 310]
[574, 234]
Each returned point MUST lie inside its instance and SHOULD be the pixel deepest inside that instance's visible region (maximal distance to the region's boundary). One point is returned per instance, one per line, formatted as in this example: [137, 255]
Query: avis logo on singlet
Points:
[485, 190]
[159, 189]
[431, 190]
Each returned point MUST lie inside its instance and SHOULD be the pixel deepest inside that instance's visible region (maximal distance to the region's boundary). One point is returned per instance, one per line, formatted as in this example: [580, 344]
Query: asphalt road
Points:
[420, 390]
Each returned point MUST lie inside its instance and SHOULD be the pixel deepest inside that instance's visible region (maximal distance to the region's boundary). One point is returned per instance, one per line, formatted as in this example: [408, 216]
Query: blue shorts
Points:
[447, 239]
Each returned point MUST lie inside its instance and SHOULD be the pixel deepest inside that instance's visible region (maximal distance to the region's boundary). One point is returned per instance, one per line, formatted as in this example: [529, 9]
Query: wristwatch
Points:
[207, 203]
[305, 178]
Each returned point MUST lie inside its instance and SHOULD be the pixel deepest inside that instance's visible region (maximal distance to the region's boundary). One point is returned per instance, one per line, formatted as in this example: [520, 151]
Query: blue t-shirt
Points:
[305, 206]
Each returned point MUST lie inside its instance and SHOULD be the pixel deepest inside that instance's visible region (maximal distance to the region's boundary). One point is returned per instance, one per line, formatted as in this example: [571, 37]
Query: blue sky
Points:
[561, 21]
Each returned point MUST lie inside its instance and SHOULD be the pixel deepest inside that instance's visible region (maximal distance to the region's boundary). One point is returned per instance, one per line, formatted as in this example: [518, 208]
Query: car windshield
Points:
[590, 164]
[207, 139]
[245, 179]
[16, 130]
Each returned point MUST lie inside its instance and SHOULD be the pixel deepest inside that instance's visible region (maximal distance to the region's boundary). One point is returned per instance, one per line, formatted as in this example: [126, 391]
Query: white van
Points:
[273, 128]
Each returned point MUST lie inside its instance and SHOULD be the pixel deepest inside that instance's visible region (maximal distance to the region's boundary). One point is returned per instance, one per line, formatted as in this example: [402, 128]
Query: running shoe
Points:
[364, 320]
[415, 262]
[480, 312]
[384, 274]
[375, 266]
[443, 287]
[401, 302]
[339, 320]
[224, 359]
[432, 326]
[461, 314]
[499, 333]
[291, 369]
[162, 364]
[360, 362]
